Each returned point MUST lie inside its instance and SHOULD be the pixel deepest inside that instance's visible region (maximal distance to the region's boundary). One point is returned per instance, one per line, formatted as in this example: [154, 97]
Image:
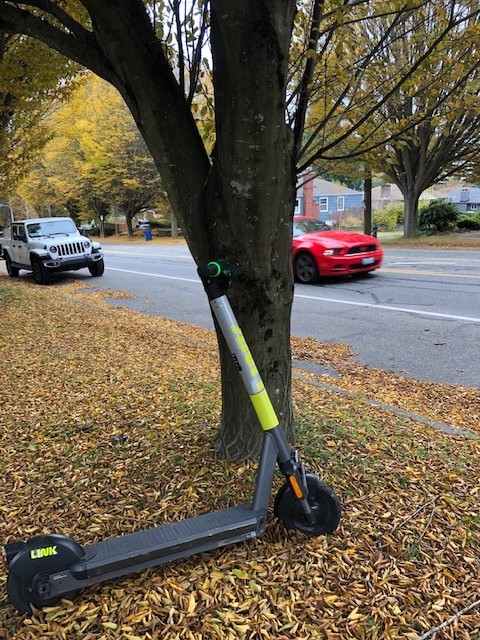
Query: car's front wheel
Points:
[97, 268]
[305, 269]
[41, 274]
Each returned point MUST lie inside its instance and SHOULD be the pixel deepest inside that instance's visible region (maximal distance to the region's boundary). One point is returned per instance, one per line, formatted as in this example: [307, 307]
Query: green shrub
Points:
[109, 229]
[469, 221]
[159, 224]
[387, 219]
[439, 214]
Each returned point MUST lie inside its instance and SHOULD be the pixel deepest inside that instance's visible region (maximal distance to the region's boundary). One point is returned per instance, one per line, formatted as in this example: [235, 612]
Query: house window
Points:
[323, 204]
[298, 207]
[340, 203]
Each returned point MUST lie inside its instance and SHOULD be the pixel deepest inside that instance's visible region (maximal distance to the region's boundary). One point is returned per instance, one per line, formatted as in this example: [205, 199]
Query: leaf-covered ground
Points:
[106, 424]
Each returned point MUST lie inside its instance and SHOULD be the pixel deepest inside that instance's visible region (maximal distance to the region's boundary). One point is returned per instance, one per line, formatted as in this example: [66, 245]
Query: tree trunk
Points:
[411, 213]
[367, 216]
[249, 202]
[174, 225]
[128, 221]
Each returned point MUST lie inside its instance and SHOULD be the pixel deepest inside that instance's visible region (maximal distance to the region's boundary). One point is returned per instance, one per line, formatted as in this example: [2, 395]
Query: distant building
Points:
[326, 200]
[389, 195]
[467, 199]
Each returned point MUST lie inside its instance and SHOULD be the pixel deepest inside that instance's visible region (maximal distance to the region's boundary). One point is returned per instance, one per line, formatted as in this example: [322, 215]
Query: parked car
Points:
[48, 245]
[319, 250]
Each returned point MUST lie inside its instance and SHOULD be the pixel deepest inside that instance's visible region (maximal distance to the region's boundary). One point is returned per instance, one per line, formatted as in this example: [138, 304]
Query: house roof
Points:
[323, 187]
[395, 195]
[466, 194]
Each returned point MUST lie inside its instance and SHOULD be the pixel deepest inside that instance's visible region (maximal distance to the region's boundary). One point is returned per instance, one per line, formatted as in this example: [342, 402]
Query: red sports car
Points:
[319, 250]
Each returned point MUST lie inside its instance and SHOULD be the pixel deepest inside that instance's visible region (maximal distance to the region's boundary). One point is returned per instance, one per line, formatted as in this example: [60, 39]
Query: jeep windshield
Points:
[51, 228]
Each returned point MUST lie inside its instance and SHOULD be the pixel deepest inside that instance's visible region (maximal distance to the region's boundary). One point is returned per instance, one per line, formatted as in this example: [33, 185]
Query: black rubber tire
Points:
[40, 273]
[305, 269]
[323, 501]
[97, 268]
[21, 598]
[11, 270]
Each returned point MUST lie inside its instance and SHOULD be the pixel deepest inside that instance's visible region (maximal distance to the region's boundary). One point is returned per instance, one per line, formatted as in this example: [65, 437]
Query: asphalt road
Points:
[418, 316]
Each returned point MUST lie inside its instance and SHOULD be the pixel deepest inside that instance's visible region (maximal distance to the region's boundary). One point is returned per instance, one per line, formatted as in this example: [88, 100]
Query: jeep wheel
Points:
[11, 270]
[40, 273]
[97, 268]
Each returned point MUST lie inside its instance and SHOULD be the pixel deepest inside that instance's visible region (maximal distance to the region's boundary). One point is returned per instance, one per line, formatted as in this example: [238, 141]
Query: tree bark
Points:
[128, 221]
[367, 215]
[174, 225]
[249, 204]
[411, 198]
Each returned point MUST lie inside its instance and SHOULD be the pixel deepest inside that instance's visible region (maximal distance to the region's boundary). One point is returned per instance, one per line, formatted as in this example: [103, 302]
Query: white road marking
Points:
[419, 312]
[389, 308]
[152, 275]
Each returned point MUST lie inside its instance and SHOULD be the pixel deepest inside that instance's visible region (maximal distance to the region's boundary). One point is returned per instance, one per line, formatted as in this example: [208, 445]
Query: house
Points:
[326, 200]
[467, 199]
[388, 195]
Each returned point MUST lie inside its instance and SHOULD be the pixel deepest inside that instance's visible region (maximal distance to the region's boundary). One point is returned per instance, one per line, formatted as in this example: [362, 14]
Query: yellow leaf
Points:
[191, 603]
[240, 573]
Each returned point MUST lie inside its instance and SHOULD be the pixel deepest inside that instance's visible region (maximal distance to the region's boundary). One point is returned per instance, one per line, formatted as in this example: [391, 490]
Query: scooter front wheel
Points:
[323, 502]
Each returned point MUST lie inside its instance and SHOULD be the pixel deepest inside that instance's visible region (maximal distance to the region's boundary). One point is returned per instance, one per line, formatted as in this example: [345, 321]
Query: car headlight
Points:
[86, 244]
[53, 249]
[331, 252]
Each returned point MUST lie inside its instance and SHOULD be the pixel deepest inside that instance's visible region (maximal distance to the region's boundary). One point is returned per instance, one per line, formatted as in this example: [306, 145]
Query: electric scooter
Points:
[47, 568]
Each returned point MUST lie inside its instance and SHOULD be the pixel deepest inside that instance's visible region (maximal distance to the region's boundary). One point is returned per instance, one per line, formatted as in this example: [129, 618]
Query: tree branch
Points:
[452, 23]
[80, 49]
[307, 78]
[456, 616]
[60, 15]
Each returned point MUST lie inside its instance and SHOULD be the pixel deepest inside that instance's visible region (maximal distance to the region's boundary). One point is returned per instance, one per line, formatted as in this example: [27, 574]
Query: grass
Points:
[106, 430]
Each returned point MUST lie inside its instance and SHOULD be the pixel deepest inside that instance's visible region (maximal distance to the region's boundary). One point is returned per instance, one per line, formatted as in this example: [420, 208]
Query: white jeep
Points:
[49, 245]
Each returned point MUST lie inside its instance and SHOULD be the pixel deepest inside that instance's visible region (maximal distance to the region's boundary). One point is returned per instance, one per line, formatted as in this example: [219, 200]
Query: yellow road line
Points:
[413, 272]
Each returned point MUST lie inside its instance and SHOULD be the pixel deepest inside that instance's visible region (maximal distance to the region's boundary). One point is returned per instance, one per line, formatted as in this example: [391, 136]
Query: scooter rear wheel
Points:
[21, 595]
[323, 502]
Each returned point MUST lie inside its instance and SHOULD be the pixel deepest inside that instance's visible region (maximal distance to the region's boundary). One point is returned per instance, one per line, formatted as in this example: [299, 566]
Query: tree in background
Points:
[409, 106]
[436, 113]
[32, 77]
[96, 159]
[236, 200]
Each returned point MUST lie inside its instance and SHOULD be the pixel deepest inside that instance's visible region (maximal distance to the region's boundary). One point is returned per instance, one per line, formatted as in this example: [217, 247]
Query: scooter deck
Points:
[117, 557]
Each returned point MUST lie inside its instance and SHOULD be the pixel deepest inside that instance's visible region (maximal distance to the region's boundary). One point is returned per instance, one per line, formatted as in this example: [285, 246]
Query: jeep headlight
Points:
[86, 244]
[53, 249]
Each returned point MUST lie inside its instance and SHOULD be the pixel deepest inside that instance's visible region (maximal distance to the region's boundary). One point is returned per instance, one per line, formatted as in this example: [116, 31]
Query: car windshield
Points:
[50, 228]
[308, 226]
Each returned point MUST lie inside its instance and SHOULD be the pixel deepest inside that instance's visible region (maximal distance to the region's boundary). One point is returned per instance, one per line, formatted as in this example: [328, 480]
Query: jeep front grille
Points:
[70, 249]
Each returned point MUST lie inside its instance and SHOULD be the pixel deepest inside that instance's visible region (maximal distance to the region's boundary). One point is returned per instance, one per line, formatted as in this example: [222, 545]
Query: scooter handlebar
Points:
[220, 269]
[217, 276]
